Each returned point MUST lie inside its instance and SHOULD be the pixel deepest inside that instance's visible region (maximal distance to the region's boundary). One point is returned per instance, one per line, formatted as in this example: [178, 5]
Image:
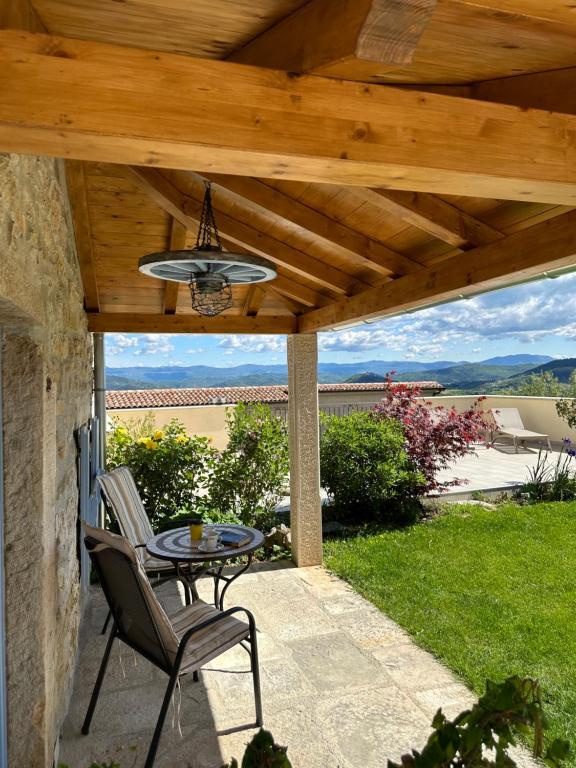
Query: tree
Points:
[542, 384]
[434, 435]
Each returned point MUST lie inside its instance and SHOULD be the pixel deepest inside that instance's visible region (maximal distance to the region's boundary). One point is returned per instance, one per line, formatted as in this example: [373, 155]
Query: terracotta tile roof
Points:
[165, 398]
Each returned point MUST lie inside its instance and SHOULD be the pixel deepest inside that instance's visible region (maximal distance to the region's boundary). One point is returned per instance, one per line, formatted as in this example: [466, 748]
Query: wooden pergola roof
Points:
[384, 154]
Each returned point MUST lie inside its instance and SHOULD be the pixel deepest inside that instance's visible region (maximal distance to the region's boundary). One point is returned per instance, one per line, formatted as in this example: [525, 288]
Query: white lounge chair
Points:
[508, 423]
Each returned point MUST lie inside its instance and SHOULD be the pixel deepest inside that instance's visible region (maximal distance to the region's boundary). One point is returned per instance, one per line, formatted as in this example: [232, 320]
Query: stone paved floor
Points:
[343, 686]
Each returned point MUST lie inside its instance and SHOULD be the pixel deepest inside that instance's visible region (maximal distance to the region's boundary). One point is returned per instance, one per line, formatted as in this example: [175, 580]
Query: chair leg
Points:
[105, 627]
[98, 685]
[255, 673]
[160, 722]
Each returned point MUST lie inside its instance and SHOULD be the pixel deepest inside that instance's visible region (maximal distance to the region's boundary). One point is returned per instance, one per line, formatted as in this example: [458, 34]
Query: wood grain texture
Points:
[358, 248]
[99, 102]
[76, 183]
[437, 217]
[337, 33]
[177, 243]
[133, 322]
[530, 252]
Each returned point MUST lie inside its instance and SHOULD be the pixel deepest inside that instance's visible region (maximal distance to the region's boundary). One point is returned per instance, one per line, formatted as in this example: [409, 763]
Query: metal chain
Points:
[208, 226]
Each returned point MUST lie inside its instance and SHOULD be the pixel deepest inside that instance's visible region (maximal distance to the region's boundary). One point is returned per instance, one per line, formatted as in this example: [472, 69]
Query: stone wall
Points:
[46, 360]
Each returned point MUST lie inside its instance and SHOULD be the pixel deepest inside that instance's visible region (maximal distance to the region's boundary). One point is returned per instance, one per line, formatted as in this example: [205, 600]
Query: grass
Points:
[491, 593]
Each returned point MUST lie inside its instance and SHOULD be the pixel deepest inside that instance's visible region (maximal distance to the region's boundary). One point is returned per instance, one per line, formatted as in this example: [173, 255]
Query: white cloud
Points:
[117, 343]
[252, 344]
[526, 313]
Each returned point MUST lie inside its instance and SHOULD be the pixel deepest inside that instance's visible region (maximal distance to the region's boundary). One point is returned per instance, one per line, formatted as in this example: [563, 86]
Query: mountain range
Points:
[453, 374]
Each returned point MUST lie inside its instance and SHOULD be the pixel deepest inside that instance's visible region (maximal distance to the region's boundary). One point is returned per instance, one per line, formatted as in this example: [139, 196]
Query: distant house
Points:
[203, 410]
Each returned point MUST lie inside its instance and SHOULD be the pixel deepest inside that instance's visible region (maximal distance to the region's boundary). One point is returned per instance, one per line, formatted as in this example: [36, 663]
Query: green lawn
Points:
[491, 593]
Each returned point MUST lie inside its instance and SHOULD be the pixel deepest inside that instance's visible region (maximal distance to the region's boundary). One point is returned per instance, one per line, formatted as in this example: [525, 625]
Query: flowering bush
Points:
[170, 468]
[365, 469]
[435, 435]
[251, 473]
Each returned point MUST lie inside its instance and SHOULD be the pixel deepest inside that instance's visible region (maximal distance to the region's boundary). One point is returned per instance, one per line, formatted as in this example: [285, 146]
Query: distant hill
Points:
[562, 369]
[366, 378]
[469, 375]
[457, 375]
[518, 360]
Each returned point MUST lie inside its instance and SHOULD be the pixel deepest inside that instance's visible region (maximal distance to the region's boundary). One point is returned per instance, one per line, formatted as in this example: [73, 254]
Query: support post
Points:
[303, 429]
[100, 399]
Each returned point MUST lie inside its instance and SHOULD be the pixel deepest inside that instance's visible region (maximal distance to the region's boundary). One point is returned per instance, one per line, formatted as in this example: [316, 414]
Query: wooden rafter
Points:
[254, 299]
[177, 243]
[435, 216]
[187, 210]
[359, 248]
[76, 183]
[119, 322]
[524, 254]
[295, 307]
[96, 101]
[303, 294]
[338, 37]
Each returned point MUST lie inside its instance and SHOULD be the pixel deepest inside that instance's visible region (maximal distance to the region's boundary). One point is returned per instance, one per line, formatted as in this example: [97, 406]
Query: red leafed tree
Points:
[435, 435]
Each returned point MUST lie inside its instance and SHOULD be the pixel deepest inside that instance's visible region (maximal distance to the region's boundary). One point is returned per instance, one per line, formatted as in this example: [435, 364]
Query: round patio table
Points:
[190, 563]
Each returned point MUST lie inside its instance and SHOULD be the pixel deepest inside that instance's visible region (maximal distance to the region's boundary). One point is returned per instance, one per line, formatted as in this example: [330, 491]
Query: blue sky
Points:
[536, 318]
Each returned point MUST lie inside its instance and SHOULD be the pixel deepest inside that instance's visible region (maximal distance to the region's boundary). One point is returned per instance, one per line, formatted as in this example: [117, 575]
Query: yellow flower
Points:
[142, 440]
[121, 431]
[158, 435]
[151, 445]
[181, 439]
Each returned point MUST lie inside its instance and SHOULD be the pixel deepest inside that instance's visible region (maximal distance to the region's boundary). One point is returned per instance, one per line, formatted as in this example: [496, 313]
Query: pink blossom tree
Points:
[435, 435]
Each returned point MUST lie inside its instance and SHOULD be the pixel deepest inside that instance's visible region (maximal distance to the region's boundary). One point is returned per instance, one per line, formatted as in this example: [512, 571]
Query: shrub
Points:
[250, 474]
[435, 436]
[365, 468]
[482, 736]
[169, 467]
[553, 480]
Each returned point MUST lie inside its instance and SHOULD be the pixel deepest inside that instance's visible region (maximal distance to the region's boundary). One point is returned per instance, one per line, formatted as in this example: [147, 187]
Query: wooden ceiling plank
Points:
[76, 183]
[177, 243]
[134, 322]
[522, 255]
[360, 249]
[188, 210]
[436, 217]
[95, 101]
[328, 34]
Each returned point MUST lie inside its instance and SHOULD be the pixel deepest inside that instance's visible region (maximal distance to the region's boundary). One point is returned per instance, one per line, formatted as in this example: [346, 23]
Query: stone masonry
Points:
[46, 360]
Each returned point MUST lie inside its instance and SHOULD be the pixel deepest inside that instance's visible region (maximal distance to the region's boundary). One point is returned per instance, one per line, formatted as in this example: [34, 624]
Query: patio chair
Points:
[509, 424]
[178, 645]
[124, 502]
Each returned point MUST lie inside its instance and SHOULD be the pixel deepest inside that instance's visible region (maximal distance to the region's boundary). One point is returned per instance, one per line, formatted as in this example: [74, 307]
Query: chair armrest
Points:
[213, 620]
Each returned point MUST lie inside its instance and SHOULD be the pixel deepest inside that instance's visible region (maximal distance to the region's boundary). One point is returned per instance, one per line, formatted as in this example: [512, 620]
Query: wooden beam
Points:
[341, 37]
[254, 299]
[359, 248]
[119, 322]
[435, 216]
[554, 91]
[20, 14]
[292, 306]
[76, 183]
[301, 293]
[177, 243]
[524, 254]
[188, 210]
[95, 101]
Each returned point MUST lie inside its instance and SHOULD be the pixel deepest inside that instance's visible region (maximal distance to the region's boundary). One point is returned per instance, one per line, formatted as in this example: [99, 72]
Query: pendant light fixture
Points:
[209, 270]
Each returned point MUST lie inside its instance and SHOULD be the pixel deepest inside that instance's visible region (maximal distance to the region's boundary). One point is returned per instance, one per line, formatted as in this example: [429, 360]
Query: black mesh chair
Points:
[177, 645]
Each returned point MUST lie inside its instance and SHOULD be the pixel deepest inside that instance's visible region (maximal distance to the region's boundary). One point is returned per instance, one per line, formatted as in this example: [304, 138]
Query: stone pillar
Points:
[303, 427]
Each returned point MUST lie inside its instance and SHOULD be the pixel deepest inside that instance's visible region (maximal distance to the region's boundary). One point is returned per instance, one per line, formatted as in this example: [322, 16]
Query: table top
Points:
[175, 545]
